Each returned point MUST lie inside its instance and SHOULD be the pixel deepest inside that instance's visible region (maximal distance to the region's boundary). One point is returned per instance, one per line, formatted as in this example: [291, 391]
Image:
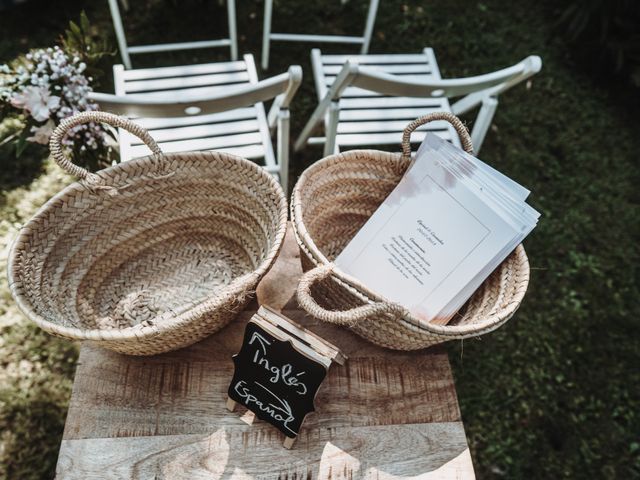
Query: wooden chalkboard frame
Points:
[279, 370]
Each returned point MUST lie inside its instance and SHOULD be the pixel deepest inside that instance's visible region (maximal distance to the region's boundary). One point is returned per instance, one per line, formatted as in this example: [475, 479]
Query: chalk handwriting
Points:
[280, 412]
[283, 373]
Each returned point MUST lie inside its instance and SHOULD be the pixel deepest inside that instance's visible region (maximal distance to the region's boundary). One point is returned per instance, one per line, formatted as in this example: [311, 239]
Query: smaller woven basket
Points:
[331, 201]
[149, 255]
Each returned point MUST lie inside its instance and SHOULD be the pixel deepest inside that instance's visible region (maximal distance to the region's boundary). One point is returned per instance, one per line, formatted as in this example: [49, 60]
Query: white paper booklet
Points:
[447, 225]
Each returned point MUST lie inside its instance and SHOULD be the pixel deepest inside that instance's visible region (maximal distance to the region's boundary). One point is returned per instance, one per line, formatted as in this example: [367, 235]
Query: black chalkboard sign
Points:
[274, 379]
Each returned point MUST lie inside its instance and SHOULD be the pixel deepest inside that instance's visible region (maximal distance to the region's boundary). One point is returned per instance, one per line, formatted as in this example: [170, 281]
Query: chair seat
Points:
[242, 132]
[369, 118]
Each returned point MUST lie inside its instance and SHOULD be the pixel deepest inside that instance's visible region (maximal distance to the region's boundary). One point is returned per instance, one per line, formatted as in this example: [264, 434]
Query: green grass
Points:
[554, 393]
[36, 369]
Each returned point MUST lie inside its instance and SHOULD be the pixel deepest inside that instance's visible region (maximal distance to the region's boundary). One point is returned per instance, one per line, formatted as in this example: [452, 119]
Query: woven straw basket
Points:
[331, 201]
[149, 255]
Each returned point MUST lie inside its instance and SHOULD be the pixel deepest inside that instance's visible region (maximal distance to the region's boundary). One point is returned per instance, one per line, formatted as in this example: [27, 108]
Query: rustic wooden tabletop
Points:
[383, 415]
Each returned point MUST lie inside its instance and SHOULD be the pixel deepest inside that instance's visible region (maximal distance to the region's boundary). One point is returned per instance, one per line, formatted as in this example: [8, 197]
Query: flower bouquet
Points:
[45, 86]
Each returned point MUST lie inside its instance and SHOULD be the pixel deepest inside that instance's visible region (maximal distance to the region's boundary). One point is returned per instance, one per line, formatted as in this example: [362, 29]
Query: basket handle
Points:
[463, 133]
[346, 317]
[55, 143]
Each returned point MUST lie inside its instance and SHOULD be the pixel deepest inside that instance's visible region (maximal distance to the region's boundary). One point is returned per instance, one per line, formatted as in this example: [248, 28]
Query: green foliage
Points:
[605, 35]
[18, 168]
[94, 49]
[36, 369]
[33, 400]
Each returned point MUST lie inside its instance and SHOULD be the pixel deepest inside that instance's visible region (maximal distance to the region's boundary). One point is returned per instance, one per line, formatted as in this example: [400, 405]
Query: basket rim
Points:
[360, 290]
[149, 163]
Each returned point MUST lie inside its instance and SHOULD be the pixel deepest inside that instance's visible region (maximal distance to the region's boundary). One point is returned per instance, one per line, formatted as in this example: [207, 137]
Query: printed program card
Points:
[450, 221]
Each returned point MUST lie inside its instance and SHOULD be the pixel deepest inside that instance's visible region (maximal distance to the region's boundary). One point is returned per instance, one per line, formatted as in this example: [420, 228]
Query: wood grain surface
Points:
[383, 415]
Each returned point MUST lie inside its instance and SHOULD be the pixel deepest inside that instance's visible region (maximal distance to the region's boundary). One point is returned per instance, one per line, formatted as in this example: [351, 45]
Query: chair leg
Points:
[483, 122]
[309, 127]
[119, 28]
[266, 33]
[368, 29]
[283, 148]
[332, 129]
[330, 100]
[272, 116]
[233, 35]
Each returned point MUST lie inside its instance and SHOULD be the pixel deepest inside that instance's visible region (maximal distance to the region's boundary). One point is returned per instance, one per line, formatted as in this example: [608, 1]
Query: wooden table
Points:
[382, 415]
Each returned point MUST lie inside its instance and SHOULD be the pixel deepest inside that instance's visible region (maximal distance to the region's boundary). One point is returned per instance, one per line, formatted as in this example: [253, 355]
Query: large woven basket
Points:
[148, 255]
[331, 201]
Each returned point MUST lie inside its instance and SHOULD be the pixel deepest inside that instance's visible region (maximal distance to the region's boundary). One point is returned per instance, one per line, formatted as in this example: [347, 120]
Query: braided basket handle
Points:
[55, 143]
[463, 133]
[346, 317]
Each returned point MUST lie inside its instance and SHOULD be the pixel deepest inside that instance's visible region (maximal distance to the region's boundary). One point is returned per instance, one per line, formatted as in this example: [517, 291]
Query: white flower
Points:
[36, 100]
[43, 133]
[52, 86]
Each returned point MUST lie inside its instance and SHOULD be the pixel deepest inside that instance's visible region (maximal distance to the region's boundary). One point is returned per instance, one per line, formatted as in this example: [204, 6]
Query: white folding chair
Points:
[126, 51]
[369, 99]
[268, 36]
[215, 106]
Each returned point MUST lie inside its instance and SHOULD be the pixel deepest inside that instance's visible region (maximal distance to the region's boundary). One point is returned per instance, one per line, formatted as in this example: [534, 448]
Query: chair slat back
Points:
[387, 84]
[235, 97]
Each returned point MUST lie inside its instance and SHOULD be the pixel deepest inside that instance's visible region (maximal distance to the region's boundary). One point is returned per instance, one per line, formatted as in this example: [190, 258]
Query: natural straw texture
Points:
[331, 201]
[149, 255]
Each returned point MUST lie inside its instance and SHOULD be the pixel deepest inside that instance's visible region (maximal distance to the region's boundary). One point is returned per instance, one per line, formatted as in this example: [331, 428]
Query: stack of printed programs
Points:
[448, 224]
